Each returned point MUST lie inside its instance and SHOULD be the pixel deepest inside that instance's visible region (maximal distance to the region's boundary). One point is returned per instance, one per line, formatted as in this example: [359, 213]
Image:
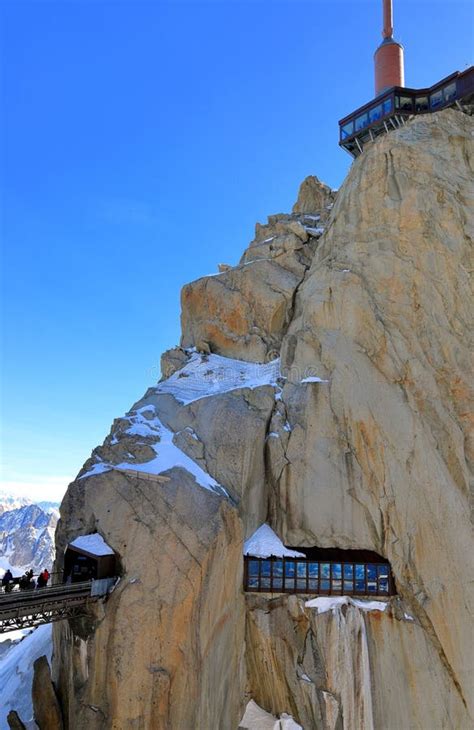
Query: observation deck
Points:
[395, 106]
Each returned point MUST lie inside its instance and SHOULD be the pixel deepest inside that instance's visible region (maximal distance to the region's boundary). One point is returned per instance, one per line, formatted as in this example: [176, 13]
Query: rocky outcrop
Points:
[360, 442]
[163, 651]
[47, 712]
[14, 721]
[243, 312]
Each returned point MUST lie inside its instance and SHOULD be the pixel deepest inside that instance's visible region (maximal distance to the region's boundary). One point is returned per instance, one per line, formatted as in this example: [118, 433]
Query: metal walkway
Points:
[30, 608]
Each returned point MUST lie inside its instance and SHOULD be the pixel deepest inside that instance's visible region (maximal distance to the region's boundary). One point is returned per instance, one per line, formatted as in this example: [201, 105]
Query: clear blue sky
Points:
[140, 144]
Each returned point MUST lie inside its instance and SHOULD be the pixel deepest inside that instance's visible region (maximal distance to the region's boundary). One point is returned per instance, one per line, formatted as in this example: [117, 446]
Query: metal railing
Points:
[30, 608]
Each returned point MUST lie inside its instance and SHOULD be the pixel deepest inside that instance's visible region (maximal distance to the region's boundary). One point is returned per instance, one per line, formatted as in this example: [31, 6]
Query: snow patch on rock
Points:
[168, 455]
[264, 543]
[333, 603]
[209, 375]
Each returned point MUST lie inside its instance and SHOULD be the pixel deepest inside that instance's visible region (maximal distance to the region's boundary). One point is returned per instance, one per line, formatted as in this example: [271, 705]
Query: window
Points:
[290, 576]
[450, 92]
[360, 578]
[404, 103]
[253, 568]
[361, 122]
[347, 130]
[313, 573]
[348, 578]
[336, 577]
[436, 99]
[371, 578]
[325, 572]
[382, 571]
[265, 573]
[421, 104]
[278, 575]
[301, 576]
[375, 113]
[387, 106]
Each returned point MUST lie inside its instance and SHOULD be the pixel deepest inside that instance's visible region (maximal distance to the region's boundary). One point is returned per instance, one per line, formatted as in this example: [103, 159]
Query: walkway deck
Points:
[30, 608]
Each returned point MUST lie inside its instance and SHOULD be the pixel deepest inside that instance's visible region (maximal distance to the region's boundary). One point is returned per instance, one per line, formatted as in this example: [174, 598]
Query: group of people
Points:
[26, 582]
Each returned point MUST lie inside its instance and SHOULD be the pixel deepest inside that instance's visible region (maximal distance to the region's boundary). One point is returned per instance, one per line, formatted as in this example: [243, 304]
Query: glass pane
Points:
[387, 106]
[382, 571]
[301, 585]
[253, 567]
[361, 122]
[265, 583]
[252, 582]
[277, 584]
[313, 584]
[266, 568]
[301, 570]
[325, 569]
[277, 568]
[347, 130]
[404, 103]
[313, 570]
[383, 585]
[360, 572]
[450, 92]
[289, 584]
[348, 571]
[371, 572]
[372, 578]
[421, 104]
[290, 570]
[360, 586]
[336, 577]
[436, 99]
[348, 586]
[375, 113]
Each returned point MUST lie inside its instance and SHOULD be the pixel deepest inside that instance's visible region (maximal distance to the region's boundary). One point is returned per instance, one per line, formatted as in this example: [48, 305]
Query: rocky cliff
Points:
[322, 385]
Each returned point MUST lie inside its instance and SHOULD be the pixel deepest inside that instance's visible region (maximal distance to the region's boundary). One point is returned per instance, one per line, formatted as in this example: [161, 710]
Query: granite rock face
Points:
[360, 442]
[244, 311]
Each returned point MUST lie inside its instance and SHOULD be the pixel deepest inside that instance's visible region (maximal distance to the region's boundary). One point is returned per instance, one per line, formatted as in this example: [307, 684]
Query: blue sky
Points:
[141, 141]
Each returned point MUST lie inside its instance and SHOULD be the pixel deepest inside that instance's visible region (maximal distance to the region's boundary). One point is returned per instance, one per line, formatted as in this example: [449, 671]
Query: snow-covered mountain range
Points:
[27, 538]
[26, 541]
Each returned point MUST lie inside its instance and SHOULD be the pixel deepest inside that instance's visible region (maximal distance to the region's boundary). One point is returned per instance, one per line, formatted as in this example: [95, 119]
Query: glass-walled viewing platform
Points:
[392, 108]
[338, 573]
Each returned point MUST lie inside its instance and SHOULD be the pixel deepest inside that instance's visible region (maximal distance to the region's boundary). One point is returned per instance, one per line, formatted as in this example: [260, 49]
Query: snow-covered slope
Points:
[16, 674]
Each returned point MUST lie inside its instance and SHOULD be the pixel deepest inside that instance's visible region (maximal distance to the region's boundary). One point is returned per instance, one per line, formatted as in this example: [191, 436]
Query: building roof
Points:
[93, 544]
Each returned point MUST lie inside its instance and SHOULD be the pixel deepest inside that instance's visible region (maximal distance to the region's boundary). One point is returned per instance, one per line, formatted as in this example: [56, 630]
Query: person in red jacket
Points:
[43, 579]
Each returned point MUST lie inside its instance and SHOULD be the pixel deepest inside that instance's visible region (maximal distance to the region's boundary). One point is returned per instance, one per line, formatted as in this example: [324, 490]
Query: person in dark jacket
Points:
[7, 581]
[26, 581]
